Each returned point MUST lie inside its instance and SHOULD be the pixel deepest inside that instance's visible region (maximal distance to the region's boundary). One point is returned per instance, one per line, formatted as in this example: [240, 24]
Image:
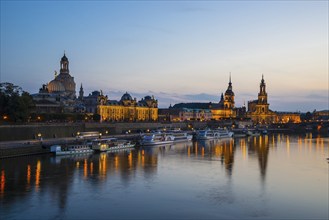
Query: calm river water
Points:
[276, 177]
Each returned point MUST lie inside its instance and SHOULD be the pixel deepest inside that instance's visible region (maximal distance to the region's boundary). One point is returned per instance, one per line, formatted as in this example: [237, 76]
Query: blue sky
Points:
[178, 51]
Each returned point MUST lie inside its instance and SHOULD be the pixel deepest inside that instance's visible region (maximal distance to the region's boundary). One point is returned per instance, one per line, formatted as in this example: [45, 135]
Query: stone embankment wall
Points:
[60, 130]
[31, 131]
[22, 150]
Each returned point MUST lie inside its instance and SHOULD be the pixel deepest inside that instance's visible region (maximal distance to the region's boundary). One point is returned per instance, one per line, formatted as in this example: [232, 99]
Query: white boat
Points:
[206, 134]
[156, 139]
[110, 144]
[180, 136]
[71, 149]
[253, 133]
[224, 133]
[213, 134]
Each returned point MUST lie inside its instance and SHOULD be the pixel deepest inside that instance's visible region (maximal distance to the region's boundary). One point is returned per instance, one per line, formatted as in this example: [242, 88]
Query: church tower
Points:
[229, 96]
[64, 65]
[262, 106]
[81, 93]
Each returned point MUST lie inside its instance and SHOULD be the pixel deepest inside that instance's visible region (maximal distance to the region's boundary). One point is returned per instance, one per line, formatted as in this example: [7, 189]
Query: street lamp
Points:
[39, 136]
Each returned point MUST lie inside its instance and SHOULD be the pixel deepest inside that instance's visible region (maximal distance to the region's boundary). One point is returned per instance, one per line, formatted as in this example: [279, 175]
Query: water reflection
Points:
[258, 147]
[26, 176]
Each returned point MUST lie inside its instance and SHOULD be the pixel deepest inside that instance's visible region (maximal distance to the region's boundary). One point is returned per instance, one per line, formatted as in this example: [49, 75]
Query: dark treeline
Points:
[16, 105]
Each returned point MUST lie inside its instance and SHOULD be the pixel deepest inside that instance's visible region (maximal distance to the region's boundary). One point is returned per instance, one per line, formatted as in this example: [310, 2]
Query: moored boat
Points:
[206, 134]
[224, 133]
[110, 144]
[71, 149]
[209, 134]
[180, 136]
[253, 133]
[156, 139]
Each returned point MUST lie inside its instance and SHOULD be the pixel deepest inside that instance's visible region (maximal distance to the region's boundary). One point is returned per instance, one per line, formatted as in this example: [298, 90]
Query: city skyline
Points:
[176, 51]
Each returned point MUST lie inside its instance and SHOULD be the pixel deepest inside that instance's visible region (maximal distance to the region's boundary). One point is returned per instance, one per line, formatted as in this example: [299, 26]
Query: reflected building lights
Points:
[91, 168]
[143, 158]
[85, 168]
[37, 175]
[243, 148]
[116, 163]
[273, 140]
[103, 164]
[266, 140]
[130, 160]
[28, 175]
[2, 182]
[288, 146]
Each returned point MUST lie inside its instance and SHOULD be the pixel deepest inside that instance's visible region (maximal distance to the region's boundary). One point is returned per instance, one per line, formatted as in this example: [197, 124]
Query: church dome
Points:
[55, 86]
[126, 96]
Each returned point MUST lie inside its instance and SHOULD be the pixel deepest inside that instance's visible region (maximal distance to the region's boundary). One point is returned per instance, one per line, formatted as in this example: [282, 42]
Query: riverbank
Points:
[19, 140]
[35, 131]
[31, 147]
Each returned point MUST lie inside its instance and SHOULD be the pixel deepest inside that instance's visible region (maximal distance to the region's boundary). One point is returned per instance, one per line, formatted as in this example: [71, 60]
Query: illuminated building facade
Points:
[226, 106]
[259, 112]
[129, 109]
[286, 117]
[189, 114]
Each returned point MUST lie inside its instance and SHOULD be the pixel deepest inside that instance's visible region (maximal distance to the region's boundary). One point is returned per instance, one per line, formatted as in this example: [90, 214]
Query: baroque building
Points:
[258, 110]
[63, 84]
[128, 109]
[260, 113]
[226, 106]
[58, 95]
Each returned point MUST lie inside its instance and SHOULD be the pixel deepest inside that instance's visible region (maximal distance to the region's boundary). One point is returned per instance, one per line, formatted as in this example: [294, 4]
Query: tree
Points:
[15, 104]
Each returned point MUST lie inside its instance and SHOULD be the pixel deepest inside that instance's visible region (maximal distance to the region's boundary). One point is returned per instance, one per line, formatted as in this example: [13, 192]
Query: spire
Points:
[81, 93]
[230, 83]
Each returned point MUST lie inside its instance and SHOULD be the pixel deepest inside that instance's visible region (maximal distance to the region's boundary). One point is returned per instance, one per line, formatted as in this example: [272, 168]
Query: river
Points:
[277, 176]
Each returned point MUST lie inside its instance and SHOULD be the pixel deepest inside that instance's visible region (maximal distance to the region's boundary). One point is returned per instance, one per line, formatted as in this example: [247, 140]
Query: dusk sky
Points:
[178, 51]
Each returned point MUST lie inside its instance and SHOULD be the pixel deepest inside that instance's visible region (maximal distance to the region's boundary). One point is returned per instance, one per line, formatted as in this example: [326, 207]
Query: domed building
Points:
[127, 100]
[55, 86]
[63, 83]
[59, 92]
